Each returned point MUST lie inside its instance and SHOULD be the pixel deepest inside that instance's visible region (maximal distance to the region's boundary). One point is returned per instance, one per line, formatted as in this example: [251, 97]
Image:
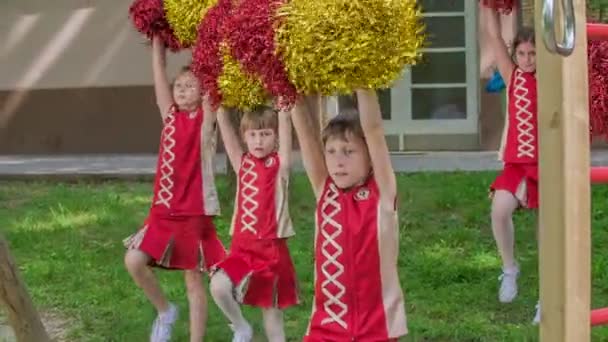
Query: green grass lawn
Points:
[66, 238]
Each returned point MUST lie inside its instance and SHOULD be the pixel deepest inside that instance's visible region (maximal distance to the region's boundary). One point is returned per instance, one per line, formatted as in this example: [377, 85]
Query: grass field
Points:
[66, 238]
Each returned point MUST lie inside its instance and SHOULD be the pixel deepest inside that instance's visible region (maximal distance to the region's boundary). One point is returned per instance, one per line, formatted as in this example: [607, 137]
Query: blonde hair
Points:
[182, 71]
[263, 117]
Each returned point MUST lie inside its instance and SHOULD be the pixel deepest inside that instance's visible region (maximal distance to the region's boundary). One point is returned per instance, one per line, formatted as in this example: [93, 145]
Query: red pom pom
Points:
[503, 6]
[597, 57]
[250, 34]
[206, 57]
[148, 17]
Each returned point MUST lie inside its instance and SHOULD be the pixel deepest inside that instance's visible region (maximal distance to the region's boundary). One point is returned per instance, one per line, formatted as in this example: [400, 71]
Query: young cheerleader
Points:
[179, 232]
[258, 270]
[517, 185]
[357, 292]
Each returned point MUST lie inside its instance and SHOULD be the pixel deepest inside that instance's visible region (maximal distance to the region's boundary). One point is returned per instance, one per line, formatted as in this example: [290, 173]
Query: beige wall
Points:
[75, 77]
[71, 44]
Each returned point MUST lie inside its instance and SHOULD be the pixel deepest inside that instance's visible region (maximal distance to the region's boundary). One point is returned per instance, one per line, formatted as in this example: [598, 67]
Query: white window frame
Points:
[401, 99]
[401, 121]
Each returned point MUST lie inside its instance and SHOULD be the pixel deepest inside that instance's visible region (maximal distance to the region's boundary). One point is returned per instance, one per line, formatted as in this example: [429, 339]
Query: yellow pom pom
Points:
[336, 46]
[184, 17]
[238, 89]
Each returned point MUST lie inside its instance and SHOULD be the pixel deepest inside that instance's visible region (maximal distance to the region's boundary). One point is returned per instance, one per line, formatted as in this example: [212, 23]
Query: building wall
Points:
[75, 78]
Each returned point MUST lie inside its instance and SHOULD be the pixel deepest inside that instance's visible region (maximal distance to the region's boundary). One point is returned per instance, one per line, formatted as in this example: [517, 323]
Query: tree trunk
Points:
[22, 315]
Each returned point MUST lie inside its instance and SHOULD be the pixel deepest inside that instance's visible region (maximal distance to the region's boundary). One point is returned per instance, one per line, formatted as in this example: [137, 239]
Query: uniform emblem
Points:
[362, 194]
[269, 162]
[192, 115]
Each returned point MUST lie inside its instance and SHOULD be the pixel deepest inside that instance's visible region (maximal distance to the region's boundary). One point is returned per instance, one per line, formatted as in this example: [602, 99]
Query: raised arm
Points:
[373, 129]
[497, 44]
[310, 147]
[209, 129]
[232, 142]
[285, 139]
[162, 88]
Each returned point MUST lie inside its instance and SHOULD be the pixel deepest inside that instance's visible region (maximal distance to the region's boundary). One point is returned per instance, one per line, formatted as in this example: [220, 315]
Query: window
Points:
[439, 83]
[439, 95]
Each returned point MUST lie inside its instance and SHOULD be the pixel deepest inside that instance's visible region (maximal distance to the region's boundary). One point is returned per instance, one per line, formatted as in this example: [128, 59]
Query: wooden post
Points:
[14, 297]
[564, 184]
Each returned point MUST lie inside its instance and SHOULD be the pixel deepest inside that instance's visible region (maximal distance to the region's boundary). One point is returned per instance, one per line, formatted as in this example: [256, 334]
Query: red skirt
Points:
[262, 273]
[179, 242]
[521, 180]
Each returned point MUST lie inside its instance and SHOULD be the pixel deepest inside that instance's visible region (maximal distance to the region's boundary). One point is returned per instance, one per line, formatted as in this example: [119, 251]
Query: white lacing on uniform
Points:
[249, 192]
[523, 115]
[331, 268]
[165, 193]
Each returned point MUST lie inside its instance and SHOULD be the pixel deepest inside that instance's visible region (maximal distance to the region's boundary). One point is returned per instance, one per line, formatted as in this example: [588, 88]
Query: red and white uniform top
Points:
[184, 184]
[519, 142]
[261, 210]
[358, 296]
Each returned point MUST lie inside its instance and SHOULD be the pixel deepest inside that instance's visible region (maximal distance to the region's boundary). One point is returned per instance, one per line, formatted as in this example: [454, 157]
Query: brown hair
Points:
[262, 117]
[343, 124]
[524, 35]
[183, 70]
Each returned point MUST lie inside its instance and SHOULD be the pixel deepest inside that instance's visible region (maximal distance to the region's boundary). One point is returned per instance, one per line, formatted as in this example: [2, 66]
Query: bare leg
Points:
[197, 300]
[136, 262]
[221, 290]
[273, 324]
[503, 206]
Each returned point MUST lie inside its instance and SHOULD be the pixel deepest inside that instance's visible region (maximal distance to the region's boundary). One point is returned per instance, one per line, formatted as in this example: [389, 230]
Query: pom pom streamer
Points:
[503, 6]
[238, 89]
[148, 17]
[250, 34]
[184, 16]
[214, 64]
[597, 57]
[206, 57]
[336, 46]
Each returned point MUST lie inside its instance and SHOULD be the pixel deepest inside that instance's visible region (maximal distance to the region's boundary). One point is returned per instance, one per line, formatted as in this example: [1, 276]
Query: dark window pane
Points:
[445, 31]
[347, 102]
[443, 103]
[384, 97]
[444, 67]
[442, 5]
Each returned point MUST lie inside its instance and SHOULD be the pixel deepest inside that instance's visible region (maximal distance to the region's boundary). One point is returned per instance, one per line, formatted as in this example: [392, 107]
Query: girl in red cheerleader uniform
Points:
[357, 294]
[517, 185]
[258, 270]
[179, 232]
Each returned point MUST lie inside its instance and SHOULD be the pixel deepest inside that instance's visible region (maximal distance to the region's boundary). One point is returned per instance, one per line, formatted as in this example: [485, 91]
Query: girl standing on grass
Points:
[258, 270]
[357, 294]
[179, 232]
[517, 184]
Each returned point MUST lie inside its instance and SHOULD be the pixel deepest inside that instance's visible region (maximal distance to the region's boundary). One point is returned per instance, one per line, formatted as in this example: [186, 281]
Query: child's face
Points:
[260, 142]
[347, 160]
[186, 91]
[525, 56]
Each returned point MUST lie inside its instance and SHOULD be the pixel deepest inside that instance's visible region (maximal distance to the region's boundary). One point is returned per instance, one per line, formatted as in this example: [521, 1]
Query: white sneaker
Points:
[508, 285]
[163, 324]
[537, 315]
[242, 335]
